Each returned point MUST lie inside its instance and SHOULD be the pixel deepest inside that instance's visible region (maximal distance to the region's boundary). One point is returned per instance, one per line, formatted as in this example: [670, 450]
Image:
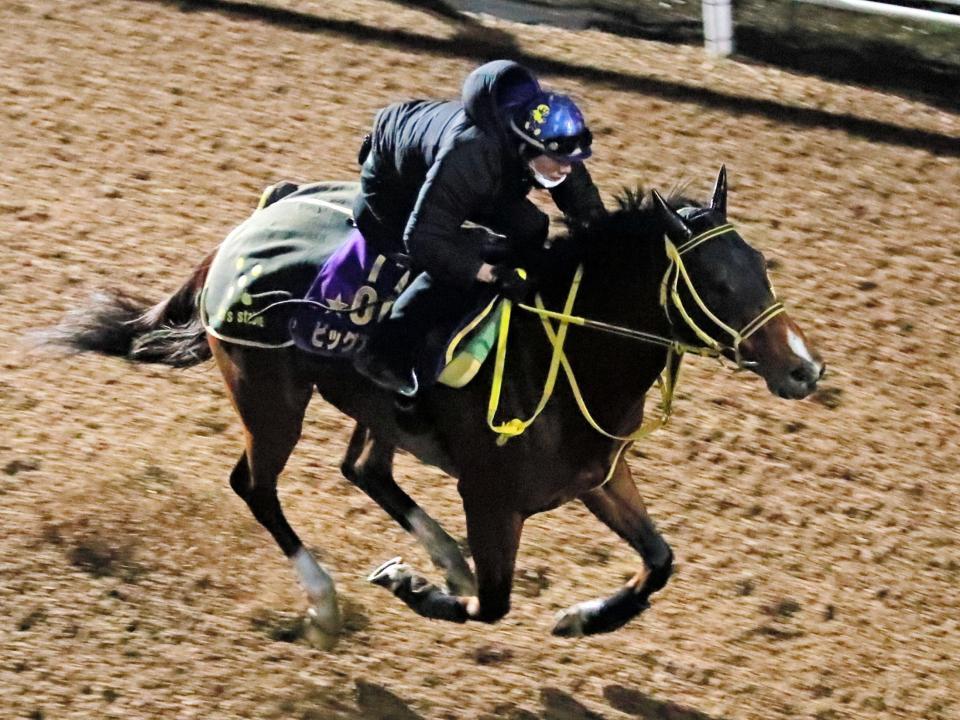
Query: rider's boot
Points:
[386, 367]
[389, 356]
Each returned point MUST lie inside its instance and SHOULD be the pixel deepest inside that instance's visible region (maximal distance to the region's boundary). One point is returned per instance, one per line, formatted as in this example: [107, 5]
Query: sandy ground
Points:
[818, 554]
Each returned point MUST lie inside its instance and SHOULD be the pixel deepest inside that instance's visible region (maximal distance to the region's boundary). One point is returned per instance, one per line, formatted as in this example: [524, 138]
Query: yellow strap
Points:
[557, 339]
[516, 426]
[674, 255]
[667, 383]
[668, 378]
[454, 344]
[704, 236]
[677, 268]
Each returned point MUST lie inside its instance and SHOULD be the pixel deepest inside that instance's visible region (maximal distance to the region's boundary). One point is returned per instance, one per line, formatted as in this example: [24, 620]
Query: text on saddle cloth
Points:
[355, 288]
[266, 265]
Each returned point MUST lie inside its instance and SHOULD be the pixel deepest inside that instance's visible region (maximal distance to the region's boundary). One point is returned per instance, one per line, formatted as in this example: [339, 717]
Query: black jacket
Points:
[436, 164]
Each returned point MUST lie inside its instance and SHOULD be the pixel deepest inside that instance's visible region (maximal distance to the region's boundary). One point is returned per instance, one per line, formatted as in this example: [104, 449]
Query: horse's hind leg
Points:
[368, 464]
[271, 400]
[494, 531]
[619, 506]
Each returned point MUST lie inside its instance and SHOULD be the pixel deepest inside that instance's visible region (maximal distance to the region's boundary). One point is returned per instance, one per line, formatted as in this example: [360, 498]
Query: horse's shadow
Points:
[375, 702]
[558, 705]
[641, 705]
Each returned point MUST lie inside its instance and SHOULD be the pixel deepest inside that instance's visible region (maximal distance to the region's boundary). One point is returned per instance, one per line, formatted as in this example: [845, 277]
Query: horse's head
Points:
[717, 294]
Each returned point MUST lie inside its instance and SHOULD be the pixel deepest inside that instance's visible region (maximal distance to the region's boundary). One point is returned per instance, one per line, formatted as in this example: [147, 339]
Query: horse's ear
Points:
[677, 229]
[719, 201]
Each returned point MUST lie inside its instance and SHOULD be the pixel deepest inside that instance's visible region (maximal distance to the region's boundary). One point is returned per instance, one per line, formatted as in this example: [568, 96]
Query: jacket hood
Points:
[494, 91]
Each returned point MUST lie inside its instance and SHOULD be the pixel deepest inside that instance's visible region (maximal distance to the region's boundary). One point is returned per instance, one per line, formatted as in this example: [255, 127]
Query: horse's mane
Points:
[627, 236]
[634, 220]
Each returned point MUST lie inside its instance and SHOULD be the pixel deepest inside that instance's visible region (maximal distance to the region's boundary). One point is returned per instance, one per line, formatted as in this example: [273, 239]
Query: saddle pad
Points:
[270, 260]
[470, 346]
[273, 274]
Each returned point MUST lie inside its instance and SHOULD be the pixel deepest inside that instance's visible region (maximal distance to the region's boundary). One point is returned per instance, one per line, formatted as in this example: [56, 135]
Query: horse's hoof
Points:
[569, 624]
[320, 633]
[326, 619]
[572, 622]
[388, 574]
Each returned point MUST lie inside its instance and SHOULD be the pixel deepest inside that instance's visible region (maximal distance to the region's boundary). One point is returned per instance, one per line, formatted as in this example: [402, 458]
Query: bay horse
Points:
[656, 277]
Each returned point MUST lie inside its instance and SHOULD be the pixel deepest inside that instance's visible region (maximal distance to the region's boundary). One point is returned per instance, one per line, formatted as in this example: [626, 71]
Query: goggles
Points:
[565, 149]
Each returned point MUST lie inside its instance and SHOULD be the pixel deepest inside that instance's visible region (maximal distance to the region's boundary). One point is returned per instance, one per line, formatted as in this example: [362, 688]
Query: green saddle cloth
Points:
[270, 260]
[265, 266]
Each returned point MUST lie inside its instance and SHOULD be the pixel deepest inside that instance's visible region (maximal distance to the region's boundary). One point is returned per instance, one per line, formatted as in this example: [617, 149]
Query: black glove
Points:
[509, 283]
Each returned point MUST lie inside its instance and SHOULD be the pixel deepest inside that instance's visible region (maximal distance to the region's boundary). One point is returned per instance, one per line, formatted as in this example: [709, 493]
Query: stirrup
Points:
[409, 392]
[378, 371]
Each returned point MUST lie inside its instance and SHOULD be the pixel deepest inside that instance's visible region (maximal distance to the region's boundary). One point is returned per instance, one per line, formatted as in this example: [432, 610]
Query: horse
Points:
[656, 277]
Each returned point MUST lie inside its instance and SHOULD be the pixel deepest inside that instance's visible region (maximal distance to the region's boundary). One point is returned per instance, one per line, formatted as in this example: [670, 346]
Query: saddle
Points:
[298, 272]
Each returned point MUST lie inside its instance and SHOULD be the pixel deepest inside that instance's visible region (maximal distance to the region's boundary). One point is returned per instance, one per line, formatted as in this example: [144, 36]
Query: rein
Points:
[675, 349]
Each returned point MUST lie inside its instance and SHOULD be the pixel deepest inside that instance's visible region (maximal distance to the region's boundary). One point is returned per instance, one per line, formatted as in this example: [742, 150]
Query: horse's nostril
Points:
[808, 373]
[823, 371]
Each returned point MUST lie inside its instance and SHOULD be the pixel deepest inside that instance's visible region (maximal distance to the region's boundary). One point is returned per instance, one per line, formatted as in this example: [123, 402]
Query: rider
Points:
[431, 165]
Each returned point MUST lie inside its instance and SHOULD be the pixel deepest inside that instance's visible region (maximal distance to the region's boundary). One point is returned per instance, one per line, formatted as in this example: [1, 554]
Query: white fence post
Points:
[718, 27]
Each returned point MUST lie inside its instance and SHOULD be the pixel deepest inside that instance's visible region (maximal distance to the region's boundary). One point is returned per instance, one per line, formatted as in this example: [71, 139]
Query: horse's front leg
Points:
[620, 507]
[494, 535]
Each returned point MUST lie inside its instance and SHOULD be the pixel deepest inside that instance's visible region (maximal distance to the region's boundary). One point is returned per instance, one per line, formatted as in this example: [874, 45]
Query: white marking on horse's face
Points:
[799, 347]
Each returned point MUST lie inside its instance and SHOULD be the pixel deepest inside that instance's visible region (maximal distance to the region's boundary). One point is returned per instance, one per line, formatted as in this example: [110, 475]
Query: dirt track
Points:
[817, 542]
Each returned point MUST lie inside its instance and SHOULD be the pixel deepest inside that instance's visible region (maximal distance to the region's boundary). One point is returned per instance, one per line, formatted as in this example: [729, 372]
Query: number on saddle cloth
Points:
[354, 289]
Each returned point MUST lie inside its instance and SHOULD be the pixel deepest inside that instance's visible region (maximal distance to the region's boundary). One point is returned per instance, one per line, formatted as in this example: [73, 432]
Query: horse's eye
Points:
[723, 286]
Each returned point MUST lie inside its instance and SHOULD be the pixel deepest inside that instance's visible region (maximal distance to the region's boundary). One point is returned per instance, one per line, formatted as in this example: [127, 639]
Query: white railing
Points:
[718, 27]
[718, 18]
[879, 8]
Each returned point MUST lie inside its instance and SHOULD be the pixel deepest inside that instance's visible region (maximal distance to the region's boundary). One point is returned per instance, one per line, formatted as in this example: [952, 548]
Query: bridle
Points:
[676, 349]
[669, 287]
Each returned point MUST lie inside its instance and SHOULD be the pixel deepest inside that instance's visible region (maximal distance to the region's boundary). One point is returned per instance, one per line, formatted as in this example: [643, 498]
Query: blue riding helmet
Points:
[553, 124]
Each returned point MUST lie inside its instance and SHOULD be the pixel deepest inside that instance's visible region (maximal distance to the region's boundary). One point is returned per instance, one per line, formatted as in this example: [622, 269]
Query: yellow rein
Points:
[675, 349]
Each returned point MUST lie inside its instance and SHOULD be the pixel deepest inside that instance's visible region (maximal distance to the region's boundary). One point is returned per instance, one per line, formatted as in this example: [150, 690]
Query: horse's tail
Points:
[120, 324]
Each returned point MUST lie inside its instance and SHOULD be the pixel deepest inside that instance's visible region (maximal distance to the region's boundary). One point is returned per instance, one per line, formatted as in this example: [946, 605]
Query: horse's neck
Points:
[614, 373]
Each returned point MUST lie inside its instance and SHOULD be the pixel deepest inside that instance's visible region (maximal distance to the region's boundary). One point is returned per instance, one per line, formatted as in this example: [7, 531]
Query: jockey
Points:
[428, 166]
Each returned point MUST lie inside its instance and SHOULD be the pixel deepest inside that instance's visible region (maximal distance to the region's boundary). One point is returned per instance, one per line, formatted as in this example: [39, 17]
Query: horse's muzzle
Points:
[799, 382]
[784, 358]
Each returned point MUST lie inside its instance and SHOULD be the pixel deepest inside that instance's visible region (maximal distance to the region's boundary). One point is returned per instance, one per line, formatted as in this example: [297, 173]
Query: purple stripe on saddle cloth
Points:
[355, 276]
